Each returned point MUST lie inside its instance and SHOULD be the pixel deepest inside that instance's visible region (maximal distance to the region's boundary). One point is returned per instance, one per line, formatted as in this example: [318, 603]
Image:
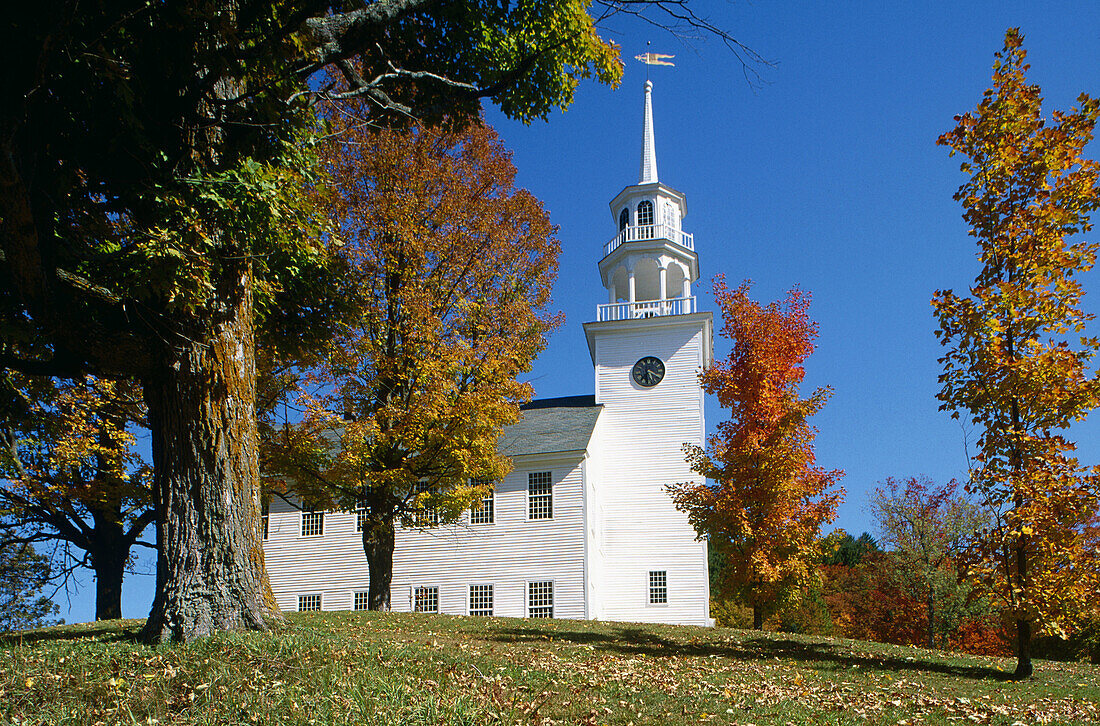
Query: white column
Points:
[686, 294]
[630, 285]
[611, 292]
[662, 275]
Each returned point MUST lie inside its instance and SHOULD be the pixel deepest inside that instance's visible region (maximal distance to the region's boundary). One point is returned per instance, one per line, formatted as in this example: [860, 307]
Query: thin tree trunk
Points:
[1023, 627]
[931, 607]
[203, 420]
[757, 617]
[378, 541]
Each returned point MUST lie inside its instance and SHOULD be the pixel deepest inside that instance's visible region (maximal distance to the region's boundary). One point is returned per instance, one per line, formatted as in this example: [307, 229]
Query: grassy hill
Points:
[390, 668]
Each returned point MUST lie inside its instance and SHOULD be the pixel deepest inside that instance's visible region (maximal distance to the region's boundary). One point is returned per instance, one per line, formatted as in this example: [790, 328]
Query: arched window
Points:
[624, 219]
[645, 213]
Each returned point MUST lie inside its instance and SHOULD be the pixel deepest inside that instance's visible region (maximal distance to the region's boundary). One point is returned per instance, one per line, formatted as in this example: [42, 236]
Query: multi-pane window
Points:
[313, 522]
[309, 602]
[624, 219]
[540, 495]
[645, 213]
[540, 599]
[658, 587]
[361, 601]
[426, 600]
[360, 516]
[482, 513]
[481, 600]
[265, 517]
[425, 516]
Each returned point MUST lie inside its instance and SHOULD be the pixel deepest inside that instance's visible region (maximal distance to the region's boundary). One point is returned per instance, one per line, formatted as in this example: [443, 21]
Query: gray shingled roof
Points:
[551, 425]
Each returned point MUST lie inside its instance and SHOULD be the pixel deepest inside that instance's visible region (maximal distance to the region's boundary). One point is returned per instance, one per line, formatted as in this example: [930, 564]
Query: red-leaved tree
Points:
[768, 499]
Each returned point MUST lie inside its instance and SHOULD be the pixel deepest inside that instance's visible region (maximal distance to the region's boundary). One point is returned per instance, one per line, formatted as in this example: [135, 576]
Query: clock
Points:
[648, 371]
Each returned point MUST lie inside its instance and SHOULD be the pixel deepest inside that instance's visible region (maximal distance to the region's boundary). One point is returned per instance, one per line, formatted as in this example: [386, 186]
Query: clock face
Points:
[648, 371]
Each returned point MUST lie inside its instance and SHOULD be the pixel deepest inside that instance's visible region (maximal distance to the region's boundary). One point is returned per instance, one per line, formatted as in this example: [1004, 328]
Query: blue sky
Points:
[825, 176]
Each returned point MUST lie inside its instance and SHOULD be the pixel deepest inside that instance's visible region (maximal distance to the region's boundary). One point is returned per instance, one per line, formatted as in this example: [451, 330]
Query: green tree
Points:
[73, 477]
[152, 161]
[1010, 365]
[926, 526]
[450, 270]
[23, 574]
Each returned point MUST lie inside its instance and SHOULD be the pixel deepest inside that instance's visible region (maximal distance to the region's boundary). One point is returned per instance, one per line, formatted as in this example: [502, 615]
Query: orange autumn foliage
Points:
[769, 498]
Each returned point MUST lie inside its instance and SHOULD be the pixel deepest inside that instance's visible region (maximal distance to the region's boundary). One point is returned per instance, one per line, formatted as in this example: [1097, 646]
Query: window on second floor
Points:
[624, 219]
[360, 516]
[540, 495]
[425, 516]
[645, 213]
[313, 522]
[482, 512]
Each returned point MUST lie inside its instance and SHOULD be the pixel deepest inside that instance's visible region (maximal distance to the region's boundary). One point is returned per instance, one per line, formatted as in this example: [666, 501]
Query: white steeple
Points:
[648, 170]
[649, 265]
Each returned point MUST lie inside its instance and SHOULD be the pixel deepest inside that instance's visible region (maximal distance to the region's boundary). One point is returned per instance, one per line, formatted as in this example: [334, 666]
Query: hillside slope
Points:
[390, 668]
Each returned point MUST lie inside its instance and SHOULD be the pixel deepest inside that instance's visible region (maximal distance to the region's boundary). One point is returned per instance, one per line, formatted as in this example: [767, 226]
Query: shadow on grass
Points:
[105, 632]
[627, 640]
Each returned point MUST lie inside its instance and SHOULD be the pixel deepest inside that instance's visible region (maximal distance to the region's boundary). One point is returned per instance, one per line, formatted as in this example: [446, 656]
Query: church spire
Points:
[648, 170]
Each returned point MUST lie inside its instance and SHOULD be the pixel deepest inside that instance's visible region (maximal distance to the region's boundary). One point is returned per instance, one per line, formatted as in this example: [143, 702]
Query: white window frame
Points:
[414, 593]
[549, 495]
[657, 587]
[265, 519]
[355, 600]
[470, 600]
[553, 599]
[478, 509]
[428, 516]
[309, 512]
[320, 602]
[647, 205]
[360, 513]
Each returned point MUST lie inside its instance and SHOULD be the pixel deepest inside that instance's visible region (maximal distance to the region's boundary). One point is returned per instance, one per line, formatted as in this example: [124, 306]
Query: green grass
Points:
[390, 668]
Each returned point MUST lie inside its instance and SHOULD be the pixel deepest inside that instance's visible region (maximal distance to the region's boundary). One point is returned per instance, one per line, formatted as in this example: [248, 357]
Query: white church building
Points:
[583, 526]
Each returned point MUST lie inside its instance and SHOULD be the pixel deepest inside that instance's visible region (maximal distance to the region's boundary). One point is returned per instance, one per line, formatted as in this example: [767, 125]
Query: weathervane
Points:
[653, 59]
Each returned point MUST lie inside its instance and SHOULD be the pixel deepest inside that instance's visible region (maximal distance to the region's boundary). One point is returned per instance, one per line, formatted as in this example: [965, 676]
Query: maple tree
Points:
[1009, 366]
[449, 269]
[152, 161]
[73, 478]
[769, 498]
[926, 526]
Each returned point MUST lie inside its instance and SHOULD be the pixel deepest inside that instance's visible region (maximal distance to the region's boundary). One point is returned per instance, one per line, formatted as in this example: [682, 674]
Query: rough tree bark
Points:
[202, 416]
[378, 542]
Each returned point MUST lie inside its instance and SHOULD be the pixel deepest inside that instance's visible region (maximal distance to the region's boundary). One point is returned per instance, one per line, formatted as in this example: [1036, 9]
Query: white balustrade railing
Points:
[645, 309]
[647, 232]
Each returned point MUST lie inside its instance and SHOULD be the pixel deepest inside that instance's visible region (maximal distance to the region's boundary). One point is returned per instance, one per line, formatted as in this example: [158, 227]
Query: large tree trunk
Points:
[378, 539]
[109, 554]
[202, 417]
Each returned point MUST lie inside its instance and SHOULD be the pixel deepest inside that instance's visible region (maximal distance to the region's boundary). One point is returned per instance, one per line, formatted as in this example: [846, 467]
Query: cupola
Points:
[649, 265]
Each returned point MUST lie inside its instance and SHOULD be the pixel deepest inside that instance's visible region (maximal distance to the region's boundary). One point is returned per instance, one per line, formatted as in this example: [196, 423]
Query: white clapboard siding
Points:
[506, 554]
[640, 440]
